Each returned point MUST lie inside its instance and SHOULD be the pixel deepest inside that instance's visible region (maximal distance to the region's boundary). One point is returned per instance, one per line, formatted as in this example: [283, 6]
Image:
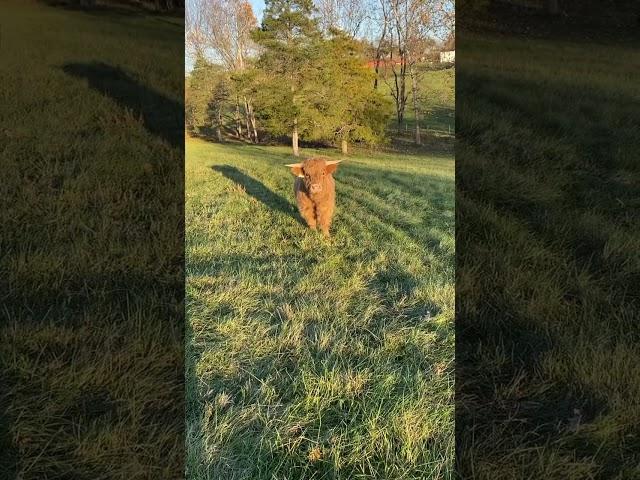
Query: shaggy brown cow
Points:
[315, 191]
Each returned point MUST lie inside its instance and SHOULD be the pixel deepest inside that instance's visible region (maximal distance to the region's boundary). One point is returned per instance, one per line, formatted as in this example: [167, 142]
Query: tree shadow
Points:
[257, 190]
[162, 116]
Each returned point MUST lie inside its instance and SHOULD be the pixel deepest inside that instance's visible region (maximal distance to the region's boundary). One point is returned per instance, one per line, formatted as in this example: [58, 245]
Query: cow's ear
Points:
[296, 169]
[331, 166]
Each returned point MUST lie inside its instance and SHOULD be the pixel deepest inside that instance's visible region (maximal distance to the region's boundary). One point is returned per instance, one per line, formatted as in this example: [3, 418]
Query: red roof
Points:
[383, 63]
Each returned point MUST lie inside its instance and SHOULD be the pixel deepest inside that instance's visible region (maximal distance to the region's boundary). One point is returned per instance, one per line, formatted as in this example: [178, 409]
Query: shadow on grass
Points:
[257, 190]
[509, 400]
[162, 116]
[8, 451]
[395, 283]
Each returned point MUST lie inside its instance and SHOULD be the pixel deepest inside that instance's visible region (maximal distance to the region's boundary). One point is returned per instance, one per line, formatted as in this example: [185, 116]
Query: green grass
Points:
[437, 102]
[91, 324]
[547, 377]
[311, 359]
[437, 110]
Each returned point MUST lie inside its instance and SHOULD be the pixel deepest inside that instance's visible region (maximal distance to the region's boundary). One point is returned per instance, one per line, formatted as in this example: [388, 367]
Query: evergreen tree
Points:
[216, 107]
[289, 38]
[209, 96]
[356, 110]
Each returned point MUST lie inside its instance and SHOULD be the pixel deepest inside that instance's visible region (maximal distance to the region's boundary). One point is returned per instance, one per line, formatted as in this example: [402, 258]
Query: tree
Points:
[219, 101]
[411, 26]
[355, 110]
[289, 41]
[245, 86]
[350, 16]
[382, 44]
[209, 97]
[223, 28]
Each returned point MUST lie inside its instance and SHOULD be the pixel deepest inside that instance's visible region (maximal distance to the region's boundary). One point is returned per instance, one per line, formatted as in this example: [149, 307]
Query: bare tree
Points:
[350, 16]
[222, 28]
[382, 18]
[411, 26]
[416, 108]
[405, 19]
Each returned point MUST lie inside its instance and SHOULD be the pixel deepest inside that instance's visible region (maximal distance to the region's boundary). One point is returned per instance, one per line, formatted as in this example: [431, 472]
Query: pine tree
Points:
[289, 40]
[209, 95]
[356, 110]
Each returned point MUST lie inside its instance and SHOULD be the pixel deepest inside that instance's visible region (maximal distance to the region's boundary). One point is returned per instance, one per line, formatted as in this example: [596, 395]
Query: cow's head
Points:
[314, 172]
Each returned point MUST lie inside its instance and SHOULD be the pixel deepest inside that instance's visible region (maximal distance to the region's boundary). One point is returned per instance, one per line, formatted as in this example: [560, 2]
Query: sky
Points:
[258, 8]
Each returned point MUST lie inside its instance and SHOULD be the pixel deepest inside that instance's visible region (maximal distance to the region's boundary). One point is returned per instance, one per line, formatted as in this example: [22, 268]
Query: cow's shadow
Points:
[258, 190]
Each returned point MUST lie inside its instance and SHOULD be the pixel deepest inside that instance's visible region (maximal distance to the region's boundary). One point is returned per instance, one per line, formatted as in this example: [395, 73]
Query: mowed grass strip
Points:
[308, 358]
[91, 317]
[548, 261]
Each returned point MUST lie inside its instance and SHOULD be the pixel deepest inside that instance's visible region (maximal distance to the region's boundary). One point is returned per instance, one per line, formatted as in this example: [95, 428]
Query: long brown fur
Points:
[315, 191]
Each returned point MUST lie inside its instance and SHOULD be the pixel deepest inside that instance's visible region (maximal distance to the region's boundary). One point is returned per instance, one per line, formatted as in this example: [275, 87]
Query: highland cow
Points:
[315, 191]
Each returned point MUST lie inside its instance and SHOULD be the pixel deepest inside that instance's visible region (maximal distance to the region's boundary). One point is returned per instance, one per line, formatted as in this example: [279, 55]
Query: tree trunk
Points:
[378, 60]
[253, 125]
[247, 119]
[344, 146]
[383, 37]
[238, 119]
[294, 138]
[252, 120]
[219, 125]
[400, 82]
[416, 110]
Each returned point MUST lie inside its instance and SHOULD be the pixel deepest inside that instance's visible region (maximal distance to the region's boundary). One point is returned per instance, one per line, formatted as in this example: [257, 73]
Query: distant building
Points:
[448, 57]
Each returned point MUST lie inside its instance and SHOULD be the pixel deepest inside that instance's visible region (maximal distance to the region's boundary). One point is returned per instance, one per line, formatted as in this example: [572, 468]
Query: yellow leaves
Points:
[315, 454]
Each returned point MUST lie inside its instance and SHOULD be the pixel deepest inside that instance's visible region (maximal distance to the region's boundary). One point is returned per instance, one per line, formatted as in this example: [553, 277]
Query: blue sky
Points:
[258, 8]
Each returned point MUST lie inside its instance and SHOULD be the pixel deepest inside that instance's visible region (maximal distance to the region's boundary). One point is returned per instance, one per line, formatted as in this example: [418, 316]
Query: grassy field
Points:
[437, 104]
[312, 359]
[91, 318]
[548, 265]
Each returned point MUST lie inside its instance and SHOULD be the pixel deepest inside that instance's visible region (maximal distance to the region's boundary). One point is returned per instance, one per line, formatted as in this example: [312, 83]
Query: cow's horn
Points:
[293, 165]
[333, 162]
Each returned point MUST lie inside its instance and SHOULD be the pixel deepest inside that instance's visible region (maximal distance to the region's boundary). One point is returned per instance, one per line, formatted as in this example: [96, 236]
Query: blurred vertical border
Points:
[91, 243]
[547, 197]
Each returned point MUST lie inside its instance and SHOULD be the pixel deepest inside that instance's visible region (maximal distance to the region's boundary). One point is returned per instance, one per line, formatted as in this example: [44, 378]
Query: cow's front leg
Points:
[309, 216]
[307, 210]
[325, 214]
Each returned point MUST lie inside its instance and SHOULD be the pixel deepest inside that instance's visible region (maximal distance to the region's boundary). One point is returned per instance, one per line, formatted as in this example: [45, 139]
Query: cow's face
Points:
[314, 172]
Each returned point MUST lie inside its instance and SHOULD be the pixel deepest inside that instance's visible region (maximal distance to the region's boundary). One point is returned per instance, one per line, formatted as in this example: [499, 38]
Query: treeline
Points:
[299, 76]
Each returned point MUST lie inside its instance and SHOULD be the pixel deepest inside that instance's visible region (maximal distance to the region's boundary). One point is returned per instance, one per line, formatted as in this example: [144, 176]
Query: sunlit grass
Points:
[310, 358]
